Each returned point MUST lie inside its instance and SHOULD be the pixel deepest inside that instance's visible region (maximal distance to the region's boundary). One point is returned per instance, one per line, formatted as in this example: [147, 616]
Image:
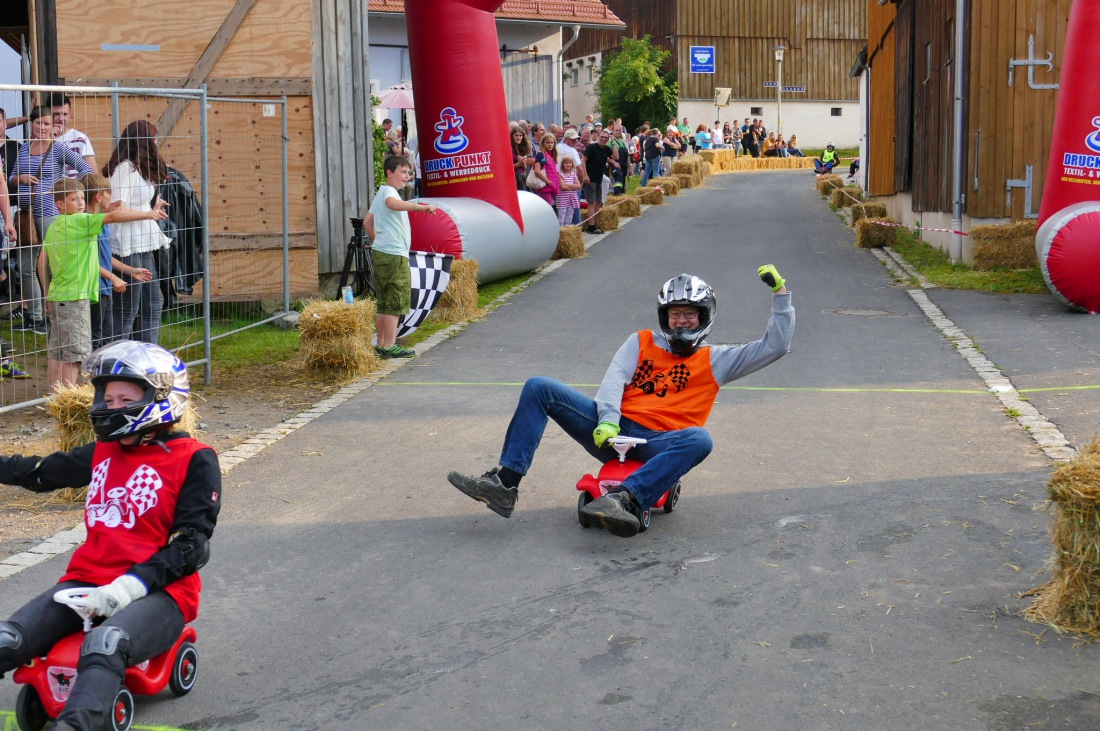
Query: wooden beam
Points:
[206, 62]
[257, 86]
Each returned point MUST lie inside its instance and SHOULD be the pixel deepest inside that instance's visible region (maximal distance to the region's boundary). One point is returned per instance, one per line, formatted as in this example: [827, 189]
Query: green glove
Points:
[769, 275]
[606, 430]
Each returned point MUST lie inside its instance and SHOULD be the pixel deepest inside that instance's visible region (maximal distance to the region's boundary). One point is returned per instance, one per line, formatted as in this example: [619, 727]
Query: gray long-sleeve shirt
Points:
[727, 362]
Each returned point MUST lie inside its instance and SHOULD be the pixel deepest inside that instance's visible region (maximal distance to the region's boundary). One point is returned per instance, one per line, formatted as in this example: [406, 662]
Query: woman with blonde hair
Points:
[546, 168]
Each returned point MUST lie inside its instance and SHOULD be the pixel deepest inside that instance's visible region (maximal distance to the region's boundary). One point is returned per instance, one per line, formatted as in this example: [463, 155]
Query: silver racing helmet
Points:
[686, 290]
[161, 376]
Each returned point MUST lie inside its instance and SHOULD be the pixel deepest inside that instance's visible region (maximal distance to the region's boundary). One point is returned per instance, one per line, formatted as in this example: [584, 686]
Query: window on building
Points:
[574, 77]
[837, 112]
[756, 111]
[591, 73]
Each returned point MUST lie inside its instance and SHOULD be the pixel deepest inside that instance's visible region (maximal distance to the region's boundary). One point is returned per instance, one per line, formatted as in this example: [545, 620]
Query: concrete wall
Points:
[813, 122]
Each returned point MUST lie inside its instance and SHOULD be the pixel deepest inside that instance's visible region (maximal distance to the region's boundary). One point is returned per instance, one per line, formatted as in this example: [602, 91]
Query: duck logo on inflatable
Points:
[450, 141]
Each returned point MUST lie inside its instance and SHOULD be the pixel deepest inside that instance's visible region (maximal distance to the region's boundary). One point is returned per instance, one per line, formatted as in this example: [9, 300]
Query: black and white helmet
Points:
[161, 375]
[689, 290]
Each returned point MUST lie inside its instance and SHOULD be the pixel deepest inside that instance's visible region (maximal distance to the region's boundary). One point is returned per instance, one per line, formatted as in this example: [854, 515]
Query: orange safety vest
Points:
[668, 392]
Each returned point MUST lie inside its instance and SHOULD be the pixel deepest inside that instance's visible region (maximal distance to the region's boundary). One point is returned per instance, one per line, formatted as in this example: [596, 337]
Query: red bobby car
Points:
[613, 472]
[47, 681]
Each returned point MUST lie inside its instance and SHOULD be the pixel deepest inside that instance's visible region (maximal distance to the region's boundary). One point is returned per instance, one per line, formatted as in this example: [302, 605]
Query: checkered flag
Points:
[430, 275]
[143, 486]
[99, 479]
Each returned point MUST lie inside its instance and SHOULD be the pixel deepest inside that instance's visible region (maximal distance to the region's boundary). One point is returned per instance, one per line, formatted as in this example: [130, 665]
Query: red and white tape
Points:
[915, 228]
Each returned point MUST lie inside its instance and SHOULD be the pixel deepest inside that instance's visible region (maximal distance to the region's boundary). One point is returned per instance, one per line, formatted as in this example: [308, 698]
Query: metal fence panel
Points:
[224, 263]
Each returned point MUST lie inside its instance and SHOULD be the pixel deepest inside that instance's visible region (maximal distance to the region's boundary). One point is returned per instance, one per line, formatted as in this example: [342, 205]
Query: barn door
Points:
[529, 87]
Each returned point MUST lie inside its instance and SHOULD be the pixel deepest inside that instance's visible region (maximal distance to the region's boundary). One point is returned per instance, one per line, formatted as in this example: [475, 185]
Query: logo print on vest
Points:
[657, 384]
[121, 506]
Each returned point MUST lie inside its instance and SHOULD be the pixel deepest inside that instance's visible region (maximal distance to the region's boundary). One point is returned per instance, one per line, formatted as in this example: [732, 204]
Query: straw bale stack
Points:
[628, 206]
[1007, 246]
[337, 337]
[1070, 602]
[458, 302]
[686, 181]
[707, 169]
[670, 185]
[709, 156]
[872, 236]
[690, 165]
[570, 243]
[867, 210]
[650, 196]
[827, 183]
[607, 219]
[846, 196]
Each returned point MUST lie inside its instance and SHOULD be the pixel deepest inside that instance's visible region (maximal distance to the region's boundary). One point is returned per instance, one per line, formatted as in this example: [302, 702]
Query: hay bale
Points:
[867, 210]
[870, 235]
[1007, 246]
[670, 185]
[458, 302]
[607, 219]
[1070, 602]
[689, 165]
[827, 183]
[709, 156]
[628, 206]
[845, 197]
[337, 337]
[686, 181]
[570, 243]
[707, 169]
[650, 196]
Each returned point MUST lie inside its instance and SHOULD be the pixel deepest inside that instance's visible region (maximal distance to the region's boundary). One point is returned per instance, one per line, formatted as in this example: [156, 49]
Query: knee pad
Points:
[11, 639]
[105, 641]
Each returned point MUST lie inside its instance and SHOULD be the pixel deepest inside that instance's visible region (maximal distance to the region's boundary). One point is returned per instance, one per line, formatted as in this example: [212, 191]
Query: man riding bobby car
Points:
[660, 386]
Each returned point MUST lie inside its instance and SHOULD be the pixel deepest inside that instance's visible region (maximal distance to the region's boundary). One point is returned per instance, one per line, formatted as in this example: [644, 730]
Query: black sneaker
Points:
[15, 314]
[38, 327]
[488, 489]
[617, 512]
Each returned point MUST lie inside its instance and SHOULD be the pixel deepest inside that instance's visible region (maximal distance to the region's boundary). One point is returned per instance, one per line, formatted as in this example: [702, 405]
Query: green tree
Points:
[634, 85]
[380, 149]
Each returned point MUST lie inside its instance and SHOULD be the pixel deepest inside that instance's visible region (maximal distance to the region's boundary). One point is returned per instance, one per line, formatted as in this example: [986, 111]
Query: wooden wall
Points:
[655, 18]
[1009, 127]
[881, 60]
[266, 54]
[822, 39]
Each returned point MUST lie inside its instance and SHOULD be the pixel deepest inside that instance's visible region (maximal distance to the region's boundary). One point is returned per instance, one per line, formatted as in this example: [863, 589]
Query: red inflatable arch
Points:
[1068, 240]
[465, 153]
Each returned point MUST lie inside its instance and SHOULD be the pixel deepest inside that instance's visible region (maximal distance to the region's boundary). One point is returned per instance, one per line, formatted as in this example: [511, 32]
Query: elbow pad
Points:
[194, 548]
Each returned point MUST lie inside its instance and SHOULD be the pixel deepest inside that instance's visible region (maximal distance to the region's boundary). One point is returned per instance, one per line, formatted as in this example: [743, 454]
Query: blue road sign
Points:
[770, 84]
[702, 59]
[794, 89]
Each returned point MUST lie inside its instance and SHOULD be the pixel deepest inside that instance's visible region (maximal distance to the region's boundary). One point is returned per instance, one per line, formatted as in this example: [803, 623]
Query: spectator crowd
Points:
[574, 168]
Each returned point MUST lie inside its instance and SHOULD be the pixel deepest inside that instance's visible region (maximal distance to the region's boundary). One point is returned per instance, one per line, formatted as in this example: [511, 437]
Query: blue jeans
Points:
[667, 455]
[652, 170]
[137, 311]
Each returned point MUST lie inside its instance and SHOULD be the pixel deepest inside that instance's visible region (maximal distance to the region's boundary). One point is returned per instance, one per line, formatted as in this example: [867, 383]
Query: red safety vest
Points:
[130, 511]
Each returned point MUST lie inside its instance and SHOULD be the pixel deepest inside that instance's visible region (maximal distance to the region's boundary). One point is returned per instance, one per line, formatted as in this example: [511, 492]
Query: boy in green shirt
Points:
[69, 269]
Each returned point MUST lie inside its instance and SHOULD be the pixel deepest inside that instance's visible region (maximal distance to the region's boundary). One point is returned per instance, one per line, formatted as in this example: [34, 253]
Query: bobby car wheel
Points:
[30, 713]
[583, 499]
[122, 711]
[647, 516]
[184, 670]
[673, 498]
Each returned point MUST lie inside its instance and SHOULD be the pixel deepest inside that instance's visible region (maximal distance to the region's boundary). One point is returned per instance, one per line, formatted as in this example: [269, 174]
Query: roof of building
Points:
[590, 13]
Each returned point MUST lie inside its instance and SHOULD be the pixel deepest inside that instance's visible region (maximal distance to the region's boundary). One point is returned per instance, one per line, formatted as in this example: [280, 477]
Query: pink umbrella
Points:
[396, 97]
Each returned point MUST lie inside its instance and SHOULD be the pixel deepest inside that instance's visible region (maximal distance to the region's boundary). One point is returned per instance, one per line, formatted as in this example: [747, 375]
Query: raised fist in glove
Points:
[606, 430]
[106, 600]
[769, 275]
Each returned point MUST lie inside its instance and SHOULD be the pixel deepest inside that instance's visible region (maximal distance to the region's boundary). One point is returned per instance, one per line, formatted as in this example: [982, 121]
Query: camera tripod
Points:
[358, 254]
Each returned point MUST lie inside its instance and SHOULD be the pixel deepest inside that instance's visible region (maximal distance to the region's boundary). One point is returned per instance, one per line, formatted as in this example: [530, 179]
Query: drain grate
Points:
[857, 312]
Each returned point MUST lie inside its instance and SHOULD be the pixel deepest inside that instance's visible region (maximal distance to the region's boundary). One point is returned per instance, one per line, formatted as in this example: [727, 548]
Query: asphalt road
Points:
[849, 557]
